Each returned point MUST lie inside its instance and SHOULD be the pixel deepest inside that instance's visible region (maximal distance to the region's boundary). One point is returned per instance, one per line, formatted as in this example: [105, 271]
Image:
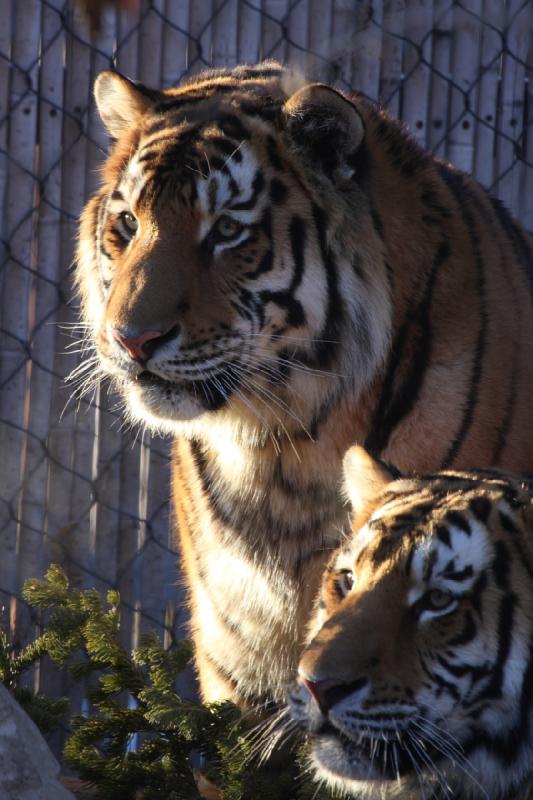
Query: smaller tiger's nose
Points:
[139, 348]
[329, 692]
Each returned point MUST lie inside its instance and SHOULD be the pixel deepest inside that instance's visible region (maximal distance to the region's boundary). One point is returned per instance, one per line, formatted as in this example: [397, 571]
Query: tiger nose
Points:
[329, 692]
[139, 348]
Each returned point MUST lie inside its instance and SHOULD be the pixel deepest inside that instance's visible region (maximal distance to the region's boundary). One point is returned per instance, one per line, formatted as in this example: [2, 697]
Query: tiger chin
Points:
[417, 678]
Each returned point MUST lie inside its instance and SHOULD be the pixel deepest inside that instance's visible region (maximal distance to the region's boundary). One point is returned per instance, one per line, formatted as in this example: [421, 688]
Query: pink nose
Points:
[319, 690]
[329, 692]
[135, 345]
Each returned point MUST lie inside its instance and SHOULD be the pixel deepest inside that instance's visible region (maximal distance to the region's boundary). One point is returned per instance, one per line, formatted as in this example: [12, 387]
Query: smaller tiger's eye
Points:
[129, 222]
[227, 227]
[437, 600]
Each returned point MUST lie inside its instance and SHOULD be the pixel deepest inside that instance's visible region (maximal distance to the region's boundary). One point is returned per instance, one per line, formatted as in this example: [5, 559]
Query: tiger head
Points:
[214, 264]
[417, 679]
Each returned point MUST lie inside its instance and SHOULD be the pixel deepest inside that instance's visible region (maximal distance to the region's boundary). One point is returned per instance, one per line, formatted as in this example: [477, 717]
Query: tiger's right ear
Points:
[364, 477]
[326, 128]
[121, 102]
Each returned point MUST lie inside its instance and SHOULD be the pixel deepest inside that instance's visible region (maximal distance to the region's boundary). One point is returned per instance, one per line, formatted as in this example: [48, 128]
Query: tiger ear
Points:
[121, 102]
[364, 477]
[325, 127]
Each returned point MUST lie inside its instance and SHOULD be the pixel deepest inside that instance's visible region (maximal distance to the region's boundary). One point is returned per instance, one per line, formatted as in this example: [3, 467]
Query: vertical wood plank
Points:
[225, 35]
[488, 95]
[126, 56]
[518, 29]
[44, 300]
[274, 44]
[150, 39]
[465, 61]
[249, 33]
[320, 32]
[20, 262]
[200, 20]
[366, 58]
[392, 55]
[298, 56]
[7, 527]
[417, 53]
[526, 206]
[175, 43]
[439, 103]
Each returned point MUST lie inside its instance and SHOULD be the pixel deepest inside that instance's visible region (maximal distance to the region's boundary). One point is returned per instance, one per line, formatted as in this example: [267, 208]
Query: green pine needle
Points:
[141, 738]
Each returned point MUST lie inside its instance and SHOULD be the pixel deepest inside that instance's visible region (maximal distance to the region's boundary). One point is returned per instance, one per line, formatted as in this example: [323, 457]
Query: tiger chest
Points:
[252, 560]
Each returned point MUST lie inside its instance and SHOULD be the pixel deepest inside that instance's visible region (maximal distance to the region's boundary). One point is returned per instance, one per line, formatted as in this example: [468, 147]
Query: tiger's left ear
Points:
[121, 102]
[326, 128]
[364, 477]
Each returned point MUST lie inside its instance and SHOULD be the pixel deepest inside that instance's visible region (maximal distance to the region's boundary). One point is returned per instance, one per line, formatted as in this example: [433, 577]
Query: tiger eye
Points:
[345, 581]
[437, 600]
[129, 222]
[227, 227]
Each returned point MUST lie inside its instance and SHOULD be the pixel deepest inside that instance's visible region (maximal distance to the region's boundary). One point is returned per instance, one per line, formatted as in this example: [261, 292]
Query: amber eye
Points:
[345, 581]
[437, 600]
[130, 223]
[227, 228]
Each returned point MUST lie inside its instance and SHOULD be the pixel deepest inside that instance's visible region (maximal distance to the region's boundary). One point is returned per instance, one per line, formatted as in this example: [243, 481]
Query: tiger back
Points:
[417, 678]
[271, 273]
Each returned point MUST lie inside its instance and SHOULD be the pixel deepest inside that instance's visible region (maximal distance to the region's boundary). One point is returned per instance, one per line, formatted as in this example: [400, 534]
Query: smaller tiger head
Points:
[417, 677]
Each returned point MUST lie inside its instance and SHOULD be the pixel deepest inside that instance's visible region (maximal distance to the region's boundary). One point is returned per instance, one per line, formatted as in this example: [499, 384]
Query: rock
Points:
[28, 770]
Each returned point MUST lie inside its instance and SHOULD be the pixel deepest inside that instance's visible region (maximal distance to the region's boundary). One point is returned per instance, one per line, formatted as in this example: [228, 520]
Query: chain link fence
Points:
[76, 487]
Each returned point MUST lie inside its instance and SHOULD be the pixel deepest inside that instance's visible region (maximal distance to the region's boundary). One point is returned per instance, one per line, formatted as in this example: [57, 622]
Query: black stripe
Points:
[273, 154]
[227, 146]
[520, 244]
[459, 575]
[212, 193]
[208, 486]
[267, 109]
[481, 508]
[462, 194]
[232, 126]
[443, 535]
[507, 270]
[507, 523]
[457, 519]
[278, 191]
[285, 299]
[466, 635]
[500, 565]
[505, 634]
[257, 185]
[267, 260]
[297, 235]
[325, 350]
[414, 339]
[377, 222]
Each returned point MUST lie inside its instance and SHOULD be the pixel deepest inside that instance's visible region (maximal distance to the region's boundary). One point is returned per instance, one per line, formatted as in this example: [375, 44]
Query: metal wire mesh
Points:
[75, 487]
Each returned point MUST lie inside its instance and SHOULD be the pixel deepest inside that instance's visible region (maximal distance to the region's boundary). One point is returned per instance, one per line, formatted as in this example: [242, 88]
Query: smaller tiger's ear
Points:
[326, 128]
[364, 477]
[120, 102]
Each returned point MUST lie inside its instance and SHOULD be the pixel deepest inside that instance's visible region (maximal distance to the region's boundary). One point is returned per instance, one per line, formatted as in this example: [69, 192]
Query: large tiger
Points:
[418, 679]
[272, 274]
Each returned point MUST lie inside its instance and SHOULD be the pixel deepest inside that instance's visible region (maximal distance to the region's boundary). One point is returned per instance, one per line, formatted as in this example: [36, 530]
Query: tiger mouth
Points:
[363, 751]
[209, 392]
